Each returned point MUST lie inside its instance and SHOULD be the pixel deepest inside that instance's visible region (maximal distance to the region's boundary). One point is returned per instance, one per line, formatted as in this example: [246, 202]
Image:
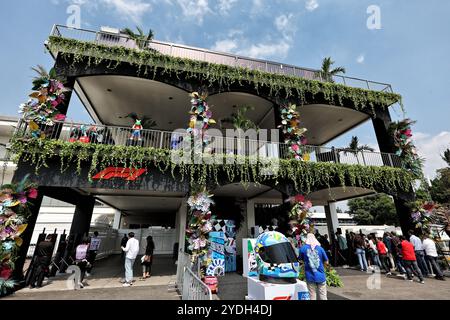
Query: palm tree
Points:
[141, 38]
[239, 120]
[326, 73]
[446, 156]
[355, 148]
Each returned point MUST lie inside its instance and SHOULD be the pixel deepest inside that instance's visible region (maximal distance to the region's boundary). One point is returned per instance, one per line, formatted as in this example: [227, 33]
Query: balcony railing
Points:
[168, 140]
[182, 51]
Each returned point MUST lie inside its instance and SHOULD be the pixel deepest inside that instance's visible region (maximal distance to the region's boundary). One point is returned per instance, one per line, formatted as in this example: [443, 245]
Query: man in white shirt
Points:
[420, 254]
[131, 250]
[431, 253]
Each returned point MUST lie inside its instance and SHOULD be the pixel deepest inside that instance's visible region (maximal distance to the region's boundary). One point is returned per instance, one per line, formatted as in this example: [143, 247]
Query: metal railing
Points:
[182, 51]
[194, 288]
[219, 145]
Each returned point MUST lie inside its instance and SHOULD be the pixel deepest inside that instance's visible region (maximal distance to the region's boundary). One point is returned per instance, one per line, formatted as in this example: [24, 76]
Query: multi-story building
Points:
[114, 75]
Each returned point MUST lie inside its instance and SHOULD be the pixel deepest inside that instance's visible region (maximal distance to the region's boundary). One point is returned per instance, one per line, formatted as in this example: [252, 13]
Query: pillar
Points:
[81, 222]
[251, 221]
[35, 206]
[332, 218]
[117, 218]
[181, 225]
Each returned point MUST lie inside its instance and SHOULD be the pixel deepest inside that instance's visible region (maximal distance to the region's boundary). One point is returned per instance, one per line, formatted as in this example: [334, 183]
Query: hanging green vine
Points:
[151, 62]
[305, 176]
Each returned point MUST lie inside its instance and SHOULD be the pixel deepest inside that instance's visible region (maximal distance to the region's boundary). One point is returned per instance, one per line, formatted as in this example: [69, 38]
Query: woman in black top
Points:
[147, 259]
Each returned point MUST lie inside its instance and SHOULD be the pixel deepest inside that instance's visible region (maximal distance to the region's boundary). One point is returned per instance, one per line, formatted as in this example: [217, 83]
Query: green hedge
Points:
[305, 176]
[150, 62]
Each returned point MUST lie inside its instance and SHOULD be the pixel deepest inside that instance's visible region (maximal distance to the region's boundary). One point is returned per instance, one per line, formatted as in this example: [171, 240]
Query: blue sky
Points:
[409, 51]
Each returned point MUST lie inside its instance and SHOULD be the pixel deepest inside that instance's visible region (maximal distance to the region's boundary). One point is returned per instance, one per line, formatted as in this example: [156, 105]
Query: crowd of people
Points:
[410, 255]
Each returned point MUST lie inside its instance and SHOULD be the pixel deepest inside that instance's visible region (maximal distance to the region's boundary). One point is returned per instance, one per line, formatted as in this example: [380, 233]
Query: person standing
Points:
[387, 240]
[123, 243]
[409, 260]
[382, 252]
[44, 251]
[374, 250]
[360, 251]
[342, 246]
[315, 259]
[431, 255]
[131, 249]
[420, 253]
[147, 259]
[397, 253]
[81, 259]
[92, 254]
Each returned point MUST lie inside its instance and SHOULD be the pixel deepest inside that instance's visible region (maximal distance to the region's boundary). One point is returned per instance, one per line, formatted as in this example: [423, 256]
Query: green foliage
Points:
[355, 147]
[440, 186]
[333, 278]
[446, 157]
[150, 62]
[305, 176]
[239, 119]
[141, 38]
[326, 72]
[377, 209]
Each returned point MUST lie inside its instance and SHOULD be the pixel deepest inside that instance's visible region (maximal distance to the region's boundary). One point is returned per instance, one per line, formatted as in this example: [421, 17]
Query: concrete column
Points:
[181, 224]
[250, 215]
[332, 218]
[34, 205]
[117, 218]
[81, 222]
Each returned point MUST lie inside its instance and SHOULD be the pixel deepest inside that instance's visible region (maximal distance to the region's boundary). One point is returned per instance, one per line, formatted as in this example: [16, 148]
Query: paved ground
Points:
[105, 283]
[365, 286]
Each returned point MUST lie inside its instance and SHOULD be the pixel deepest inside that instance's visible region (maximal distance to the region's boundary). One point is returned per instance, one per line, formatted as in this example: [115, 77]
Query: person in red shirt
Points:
[409, 260]
[382, 252]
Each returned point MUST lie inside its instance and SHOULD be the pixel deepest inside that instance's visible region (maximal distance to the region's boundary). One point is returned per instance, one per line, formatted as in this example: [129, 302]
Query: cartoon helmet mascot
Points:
[276, 259]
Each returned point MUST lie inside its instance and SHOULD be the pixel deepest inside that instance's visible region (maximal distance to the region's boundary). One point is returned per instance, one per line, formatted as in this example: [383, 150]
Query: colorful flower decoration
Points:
[13, 213]
[43, 109]
[426, 214]
[402, 134]
[200, 224]
[200, 117]
[301, 223]
[293, 133]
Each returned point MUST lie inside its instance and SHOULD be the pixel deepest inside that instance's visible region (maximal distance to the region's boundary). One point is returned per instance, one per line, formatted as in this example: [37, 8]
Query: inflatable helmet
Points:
[276, 259]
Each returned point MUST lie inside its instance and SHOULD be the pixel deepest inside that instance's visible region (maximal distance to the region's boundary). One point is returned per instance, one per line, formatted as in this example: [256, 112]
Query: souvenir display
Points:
[44, 107]
[137, 128]
[293, 134]
[14, 211]
[276, 259]
[406, 150]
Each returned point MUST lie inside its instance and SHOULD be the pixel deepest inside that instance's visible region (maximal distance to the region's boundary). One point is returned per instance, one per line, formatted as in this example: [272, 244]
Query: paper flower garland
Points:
[13, 213]
[43, 107]
[293, 133]
[200, 224]
[200, 117]
[301, 223]
[406, 150]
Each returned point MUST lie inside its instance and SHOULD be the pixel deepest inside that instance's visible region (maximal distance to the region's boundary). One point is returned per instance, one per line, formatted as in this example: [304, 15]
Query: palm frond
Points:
[41, 71]
[446, 156]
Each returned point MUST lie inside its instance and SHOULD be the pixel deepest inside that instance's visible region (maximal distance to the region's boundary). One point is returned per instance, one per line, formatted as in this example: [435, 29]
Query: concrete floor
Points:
[105, 283]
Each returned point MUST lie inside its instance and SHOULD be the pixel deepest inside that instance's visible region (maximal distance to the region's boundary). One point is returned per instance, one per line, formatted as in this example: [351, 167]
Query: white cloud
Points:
[360, 59]
[227, 45]
[311, 5]
[267, 50]
[226, 5]
[431, 148]
[130, 9]
[195, 9]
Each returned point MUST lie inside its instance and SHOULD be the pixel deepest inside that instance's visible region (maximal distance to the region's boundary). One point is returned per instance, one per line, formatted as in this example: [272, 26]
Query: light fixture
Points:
[170, 98]
[109, 90]
[340, 120]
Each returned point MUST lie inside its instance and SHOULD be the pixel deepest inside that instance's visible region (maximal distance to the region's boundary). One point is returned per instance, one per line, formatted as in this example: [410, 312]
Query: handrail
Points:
[183, 51]
[158, 139]
[194, 288]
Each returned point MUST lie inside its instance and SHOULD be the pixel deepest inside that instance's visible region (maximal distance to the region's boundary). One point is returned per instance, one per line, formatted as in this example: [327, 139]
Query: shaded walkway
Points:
[107, 274]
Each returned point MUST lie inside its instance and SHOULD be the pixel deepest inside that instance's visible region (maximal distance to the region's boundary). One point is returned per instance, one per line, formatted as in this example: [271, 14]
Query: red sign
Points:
[129, 174]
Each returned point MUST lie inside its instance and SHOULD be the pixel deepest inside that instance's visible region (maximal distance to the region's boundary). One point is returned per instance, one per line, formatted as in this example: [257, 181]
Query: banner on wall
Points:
[250, 267]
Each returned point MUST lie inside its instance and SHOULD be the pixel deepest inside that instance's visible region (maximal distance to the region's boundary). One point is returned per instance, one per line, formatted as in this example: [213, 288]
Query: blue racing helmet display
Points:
[276, 258]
